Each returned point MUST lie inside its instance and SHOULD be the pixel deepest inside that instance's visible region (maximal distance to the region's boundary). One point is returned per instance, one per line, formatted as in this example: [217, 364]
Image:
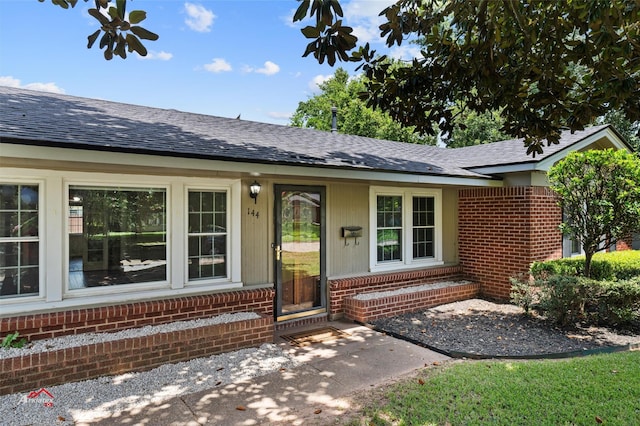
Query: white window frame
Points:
[407, 262]
[121, 288]
[229, 235]
[41, 239]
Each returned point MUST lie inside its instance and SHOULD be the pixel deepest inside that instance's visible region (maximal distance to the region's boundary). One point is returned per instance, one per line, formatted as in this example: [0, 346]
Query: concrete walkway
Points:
[316, 392]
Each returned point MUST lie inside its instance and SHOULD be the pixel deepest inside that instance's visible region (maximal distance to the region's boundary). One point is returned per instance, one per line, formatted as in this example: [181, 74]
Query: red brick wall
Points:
[341, 288]
[138, 314]
[368, 310]
[32, 372]
[502, 230]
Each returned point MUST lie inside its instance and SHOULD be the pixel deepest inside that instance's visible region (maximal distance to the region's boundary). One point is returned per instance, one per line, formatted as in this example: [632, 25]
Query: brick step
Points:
[366, 307]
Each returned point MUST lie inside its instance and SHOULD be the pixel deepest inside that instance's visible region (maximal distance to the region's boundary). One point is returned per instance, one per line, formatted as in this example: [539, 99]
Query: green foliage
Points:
[617, 265]
[629, 130]
[523, 294]
[561, 292]
[563, 298]
[618, 302]
[488, 55]
[11, 341]
[475, 128]
[599, 193]
[119, 32]
[354, 117]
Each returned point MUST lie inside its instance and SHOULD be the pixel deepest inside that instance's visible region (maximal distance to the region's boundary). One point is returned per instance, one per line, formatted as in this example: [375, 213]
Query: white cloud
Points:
[269, 68]
[315, 83]
[200, 19]
[160, 56]
[362, 16]
[218, 65]
[42, 87]
[405, 52]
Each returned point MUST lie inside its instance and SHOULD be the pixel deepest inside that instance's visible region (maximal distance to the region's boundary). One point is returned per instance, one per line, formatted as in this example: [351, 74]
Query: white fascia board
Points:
[545, 164]
[145, 160]
[607, 133]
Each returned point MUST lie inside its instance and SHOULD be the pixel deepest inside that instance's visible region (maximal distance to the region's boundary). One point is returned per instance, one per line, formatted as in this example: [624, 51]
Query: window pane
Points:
[422, 242]
[124, 237]
[207, 256]
[423, 227]
[389, 245]
[389, 222]
[19, 246]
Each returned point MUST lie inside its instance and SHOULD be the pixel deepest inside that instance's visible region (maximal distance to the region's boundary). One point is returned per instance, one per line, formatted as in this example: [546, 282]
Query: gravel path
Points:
[483, 328]
[106, 397]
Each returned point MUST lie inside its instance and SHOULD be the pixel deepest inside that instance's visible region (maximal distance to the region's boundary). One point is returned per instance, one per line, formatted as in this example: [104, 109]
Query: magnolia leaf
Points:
[121, 6]
[143, 33]
[136, 45]
[120, 49]
[113, 12]
[310, 32]
[137, 16]
[99, 16]
[92, 38]
[301, 12]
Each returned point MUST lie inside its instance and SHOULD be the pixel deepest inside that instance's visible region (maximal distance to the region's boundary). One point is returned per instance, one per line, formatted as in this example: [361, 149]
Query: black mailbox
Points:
[351, 231]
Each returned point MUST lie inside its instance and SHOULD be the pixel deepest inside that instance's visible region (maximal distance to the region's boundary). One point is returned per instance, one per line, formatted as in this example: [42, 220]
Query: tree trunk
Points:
[587, 263]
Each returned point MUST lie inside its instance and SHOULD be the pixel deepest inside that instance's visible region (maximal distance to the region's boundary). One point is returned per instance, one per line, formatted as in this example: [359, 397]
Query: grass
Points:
[579, 391]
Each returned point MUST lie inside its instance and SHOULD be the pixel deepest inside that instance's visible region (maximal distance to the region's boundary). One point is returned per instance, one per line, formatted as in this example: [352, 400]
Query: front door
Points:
[299, 251]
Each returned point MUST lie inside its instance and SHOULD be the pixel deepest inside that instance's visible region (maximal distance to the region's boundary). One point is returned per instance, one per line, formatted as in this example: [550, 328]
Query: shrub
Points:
[563, 298]
[617, 265]
[618, 303]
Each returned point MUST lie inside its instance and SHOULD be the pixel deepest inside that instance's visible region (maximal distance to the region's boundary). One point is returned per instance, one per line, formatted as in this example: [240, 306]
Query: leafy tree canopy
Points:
[599, 194]
[354, 117]
[518, 56]
[547, 65]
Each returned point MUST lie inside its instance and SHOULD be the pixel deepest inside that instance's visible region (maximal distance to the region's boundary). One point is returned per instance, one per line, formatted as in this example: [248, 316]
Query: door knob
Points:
[278, 251]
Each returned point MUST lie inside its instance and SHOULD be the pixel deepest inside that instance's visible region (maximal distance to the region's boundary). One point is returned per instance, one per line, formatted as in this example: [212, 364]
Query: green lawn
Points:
[580, 391]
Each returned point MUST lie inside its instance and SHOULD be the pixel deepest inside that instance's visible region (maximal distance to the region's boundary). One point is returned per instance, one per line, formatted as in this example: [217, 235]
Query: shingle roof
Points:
[56, 120]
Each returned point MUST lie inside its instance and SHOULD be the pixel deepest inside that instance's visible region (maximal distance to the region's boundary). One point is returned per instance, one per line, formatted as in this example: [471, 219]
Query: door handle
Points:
[278, 252]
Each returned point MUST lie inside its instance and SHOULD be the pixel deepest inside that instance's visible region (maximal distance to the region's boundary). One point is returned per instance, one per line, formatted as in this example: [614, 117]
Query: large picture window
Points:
[207, 235]
[405, 228]
[19, 240]
[118, 236]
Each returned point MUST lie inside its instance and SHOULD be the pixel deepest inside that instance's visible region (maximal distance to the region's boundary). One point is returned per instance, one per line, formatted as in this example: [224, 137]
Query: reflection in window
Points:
[19, 240]
[122, 238]
[423, 227]
[207, 238]
[389, 221]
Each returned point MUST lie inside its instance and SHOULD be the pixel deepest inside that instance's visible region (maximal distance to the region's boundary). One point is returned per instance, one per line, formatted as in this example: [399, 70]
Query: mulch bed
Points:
[486, 329]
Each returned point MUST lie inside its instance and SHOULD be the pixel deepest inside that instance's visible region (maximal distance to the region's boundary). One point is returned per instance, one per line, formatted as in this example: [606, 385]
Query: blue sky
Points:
[216, 57]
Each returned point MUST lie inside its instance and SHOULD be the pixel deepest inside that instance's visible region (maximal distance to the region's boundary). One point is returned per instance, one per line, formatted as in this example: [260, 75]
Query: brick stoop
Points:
[366, 310]
[35, 371]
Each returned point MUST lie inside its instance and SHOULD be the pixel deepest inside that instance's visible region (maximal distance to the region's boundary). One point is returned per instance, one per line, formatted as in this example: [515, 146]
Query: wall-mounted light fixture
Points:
[254, 190]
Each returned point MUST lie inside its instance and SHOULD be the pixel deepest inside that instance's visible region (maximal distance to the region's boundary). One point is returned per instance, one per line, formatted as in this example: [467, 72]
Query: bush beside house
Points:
[558, 290]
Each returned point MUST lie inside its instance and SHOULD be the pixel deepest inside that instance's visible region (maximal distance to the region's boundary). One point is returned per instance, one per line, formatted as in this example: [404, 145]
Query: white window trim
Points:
[40, 183]
[53, 234]
[407, 195]
[232, 280]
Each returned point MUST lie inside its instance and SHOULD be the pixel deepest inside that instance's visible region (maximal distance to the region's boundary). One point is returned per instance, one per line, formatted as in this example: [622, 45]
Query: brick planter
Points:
[32, 372]
[366, 310]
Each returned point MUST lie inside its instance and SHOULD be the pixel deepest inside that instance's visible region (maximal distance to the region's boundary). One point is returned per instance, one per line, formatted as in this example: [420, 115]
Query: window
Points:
[19, 240]
[207, 235]
[389, 228]
[119, 236]
[423, 227]
[405, 228]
